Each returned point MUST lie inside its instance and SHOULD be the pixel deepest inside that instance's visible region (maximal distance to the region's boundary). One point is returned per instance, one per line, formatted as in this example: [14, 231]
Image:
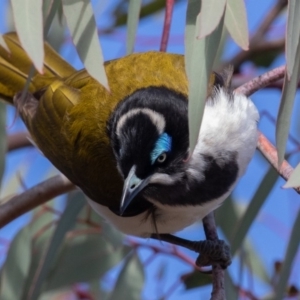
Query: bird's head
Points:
[149, 137]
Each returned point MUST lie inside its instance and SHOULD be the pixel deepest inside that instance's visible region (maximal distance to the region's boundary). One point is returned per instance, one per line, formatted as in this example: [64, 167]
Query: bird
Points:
[127, 148]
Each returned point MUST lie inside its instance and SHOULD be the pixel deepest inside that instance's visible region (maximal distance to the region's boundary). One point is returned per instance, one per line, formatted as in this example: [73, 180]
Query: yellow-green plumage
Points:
[68, 123]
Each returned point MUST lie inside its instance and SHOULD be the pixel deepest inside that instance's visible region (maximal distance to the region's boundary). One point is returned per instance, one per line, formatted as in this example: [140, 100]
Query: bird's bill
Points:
[132, 186]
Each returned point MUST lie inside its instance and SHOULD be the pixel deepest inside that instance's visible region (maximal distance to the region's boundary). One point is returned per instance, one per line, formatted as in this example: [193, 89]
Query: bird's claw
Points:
[213, 252]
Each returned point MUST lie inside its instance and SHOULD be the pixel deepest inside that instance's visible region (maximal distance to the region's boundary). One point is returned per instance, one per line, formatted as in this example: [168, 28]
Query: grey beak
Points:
[132, 186]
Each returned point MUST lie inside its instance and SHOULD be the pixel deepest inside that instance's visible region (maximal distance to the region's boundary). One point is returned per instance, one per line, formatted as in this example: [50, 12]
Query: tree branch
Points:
[167, 25]
[218, 274]
[261, 81]
[33, 197]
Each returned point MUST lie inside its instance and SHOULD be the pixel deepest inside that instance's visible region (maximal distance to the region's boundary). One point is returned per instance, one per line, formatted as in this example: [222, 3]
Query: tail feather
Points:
[15, 66]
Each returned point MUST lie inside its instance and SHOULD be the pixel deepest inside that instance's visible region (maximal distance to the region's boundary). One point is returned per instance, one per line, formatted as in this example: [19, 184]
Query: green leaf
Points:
[3, 139]
[28, 18]
[66, 222]
[132, 23]
[228, 225]
[148, 9]
[294, 180]
[236, 22]
[199, 59]
[256, 203]
[84, 257]
[3, 44]
[195, 279]
[130, 281]
[287, 265]
[293, 34]
[16, 267]
[50, 13]
[286, 108]
[210, 16]
[231, 290]
[82, 25]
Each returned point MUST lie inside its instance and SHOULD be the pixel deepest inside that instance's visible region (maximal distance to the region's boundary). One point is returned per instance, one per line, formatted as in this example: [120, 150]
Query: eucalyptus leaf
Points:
[292, 35]
[287, 265]
[132, 23]
[147, 9]
[286, 108]
[82, 25]
[130, 281]
[210, 16]
[28, 19]
[199, 59]
[231, 291]
[66, 222]
[15, 269]
[83, 257]
[195, 279]
[228, 226]
[236, 22]
[294, 180]
[255, 204]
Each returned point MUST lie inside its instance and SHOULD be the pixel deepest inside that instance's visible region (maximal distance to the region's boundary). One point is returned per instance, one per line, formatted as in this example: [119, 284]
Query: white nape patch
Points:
[156, 118]
[228, 125]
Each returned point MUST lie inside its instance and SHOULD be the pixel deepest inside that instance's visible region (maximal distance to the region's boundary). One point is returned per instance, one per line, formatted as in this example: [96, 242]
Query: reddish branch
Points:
[34, 197]
[270, 153]
[167, 25]
[261, 81]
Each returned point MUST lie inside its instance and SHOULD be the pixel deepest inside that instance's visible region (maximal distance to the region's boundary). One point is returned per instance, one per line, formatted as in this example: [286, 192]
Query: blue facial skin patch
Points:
[163, 144]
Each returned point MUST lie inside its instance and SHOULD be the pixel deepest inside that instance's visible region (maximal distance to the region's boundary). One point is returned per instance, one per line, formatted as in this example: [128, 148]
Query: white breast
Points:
[169, 219]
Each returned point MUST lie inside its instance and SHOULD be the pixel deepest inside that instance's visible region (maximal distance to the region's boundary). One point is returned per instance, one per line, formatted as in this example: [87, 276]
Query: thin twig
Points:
[33, 197]
[167, 25]
[261, 81]
[270, 153]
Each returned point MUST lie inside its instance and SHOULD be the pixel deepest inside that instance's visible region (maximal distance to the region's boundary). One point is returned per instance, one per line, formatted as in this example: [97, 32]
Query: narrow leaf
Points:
[28, 19]
[256, 203]
[3, 138]
[286, 108]
[228, 225]
[293, 34]
[288, 260]
[294, 180]
[3, 44]
[130, 281]
[210, 16]
[199, 59]
[236, 22]
[66, 222]
[132, 23]
[16, 267]
[195, 279]
[81, 23]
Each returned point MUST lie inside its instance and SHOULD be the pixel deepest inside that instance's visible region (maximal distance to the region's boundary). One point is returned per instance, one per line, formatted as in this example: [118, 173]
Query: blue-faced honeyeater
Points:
[128, 148]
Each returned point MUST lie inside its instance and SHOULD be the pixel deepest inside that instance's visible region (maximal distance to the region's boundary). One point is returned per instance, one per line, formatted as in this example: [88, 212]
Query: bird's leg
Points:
[210, 252]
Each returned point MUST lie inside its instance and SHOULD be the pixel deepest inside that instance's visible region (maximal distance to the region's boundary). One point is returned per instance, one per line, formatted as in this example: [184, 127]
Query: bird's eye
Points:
[162, 157]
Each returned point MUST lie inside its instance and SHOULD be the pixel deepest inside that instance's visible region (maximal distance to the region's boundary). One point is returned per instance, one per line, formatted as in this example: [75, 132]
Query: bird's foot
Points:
[210, 252]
